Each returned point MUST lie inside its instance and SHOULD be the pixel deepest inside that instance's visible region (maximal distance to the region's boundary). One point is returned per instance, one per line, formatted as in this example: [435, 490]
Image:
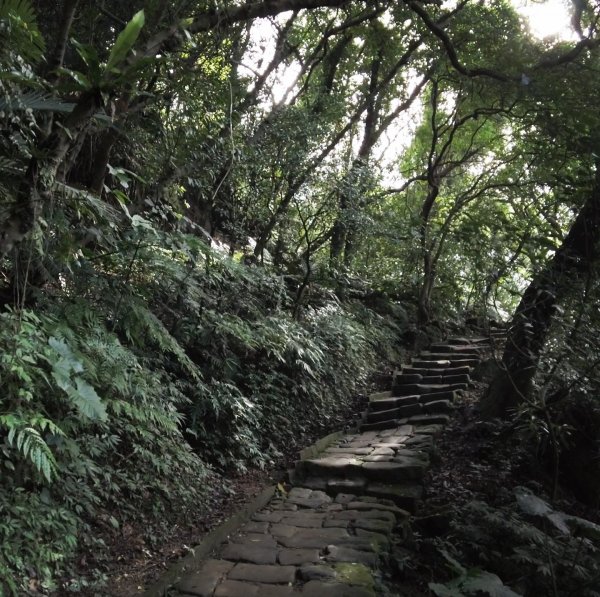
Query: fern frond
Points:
[37, 101]
[46, 425]
[9, 166]
[138, 314]
[144, 414]
[22, 33]
[88, 201]
[28, 441]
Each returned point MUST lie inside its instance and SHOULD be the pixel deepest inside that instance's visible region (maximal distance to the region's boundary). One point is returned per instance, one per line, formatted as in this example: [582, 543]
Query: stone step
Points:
[393, 469]
[398, 401]
[405, 496]
[409, 410]
[449, 395]
[419, 389]
[400, 412]
[403, 378]
[447, 356]
[383, 380]
[421, 362]
[446, 379]
[483, 340]
[431, 419]
[456, 348]
[382, 425]
[424, 371]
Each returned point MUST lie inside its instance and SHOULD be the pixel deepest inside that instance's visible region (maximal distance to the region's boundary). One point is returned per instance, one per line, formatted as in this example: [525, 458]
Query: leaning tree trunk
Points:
[532, 320]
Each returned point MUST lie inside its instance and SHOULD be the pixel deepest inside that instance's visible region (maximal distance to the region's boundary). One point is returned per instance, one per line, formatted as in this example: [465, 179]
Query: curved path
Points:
[332, 533]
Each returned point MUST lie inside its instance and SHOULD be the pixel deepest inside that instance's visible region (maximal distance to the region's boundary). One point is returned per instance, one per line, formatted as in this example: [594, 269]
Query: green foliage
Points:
[19, 32]
[125, 41]
[56, 427]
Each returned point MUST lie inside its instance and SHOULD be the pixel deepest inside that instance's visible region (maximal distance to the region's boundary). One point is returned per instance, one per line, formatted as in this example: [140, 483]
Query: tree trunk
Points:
[101, 159]
[424, 302]
[57, 57]
[532, 320]
[338, 240]
[344, 229]
[428, 281]
[36, 186]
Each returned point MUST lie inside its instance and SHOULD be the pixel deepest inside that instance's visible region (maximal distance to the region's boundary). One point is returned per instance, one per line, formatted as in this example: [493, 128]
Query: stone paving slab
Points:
[328, 549]
[440, 371]
[352, 496]
[444, 363]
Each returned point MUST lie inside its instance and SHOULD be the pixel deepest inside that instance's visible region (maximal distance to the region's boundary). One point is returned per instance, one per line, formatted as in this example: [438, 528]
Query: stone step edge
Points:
[209, 544]
[320, 445]
[314, 450]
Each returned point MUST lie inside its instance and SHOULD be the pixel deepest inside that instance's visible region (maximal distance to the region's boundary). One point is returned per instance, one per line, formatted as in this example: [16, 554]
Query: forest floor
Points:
[132, 567]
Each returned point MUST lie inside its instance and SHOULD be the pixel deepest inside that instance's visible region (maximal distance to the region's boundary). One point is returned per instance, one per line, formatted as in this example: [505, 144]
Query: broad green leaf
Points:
[80, 79]
[584, 528]
[454, 564]
[530, 503]
[90, 56]
[62, 376]
[87, 52]
[62, 348]
[87, 401]
[125, 41]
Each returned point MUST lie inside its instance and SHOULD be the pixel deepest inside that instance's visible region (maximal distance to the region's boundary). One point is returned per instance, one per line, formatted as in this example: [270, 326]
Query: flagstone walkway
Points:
[331, 534]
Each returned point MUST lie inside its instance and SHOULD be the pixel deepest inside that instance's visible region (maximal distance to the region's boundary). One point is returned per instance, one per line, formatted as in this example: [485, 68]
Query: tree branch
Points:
[439, 32]
[228, 16]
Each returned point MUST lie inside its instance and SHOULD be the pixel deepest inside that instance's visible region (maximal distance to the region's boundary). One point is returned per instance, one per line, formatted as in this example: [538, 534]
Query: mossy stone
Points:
[351, 573]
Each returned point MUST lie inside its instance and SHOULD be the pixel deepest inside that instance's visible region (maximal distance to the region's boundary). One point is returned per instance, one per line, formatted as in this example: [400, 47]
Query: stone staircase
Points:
[331, 533]
[389, 455]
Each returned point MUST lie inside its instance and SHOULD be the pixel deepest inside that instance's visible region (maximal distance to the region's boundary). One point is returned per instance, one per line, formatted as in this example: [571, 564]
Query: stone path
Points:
[331, 534]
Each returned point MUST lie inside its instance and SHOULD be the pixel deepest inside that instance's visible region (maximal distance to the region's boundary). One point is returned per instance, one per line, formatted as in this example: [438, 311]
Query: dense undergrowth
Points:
[144, 374]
